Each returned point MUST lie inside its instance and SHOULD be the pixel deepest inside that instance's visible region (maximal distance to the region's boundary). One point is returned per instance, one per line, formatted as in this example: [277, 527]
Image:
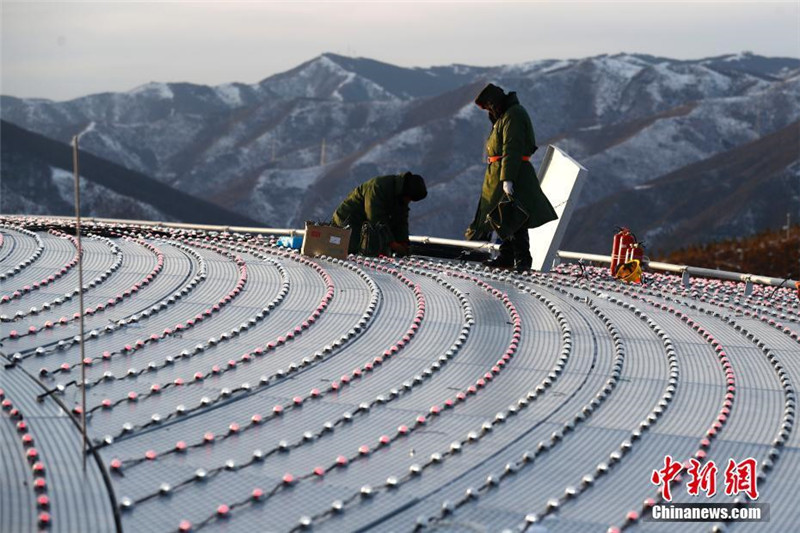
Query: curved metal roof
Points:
[236, 386]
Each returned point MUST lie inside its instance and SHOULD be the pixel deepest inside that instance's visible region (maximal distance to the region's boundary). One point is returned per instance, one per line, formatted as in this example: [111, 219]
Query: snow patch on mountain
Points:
[156, 90]
[611, 78]
[13, 202]
[557, 65]
[88, 129]
[462, 191]
[348, 79]
[97, 200]
[538, 66]
[230, 94]
[356, 88]
[311, 80]
[106, 143]
[654, 151]
[469, 112]
[461, 69]
[300, 179]
[278, 193]
[324, 78]
[659, 231]
[736, 57]
[398, 148]
[679, 77]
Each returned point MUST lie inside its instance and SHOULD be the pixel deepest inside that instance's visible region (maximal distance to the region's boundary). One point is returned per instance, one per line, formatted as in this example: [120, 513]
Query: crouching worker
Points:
[377, 213]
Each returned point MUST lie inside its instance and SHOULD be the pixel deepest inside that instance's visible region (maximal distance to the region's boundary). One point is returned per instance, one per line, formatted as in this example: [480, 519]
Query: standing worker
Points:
[509, 173]
[377, 213]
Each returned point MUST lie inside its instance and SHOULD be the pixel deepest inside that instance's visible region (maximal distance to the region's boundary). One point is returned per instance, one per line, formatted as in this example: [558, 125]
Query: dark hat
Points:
[489, 95]
[414, 187]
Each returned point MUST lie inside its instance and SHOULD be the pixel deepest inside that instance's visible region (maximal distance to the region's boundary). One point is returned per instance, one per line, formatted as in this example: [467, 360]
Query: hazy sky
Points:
[63, 50]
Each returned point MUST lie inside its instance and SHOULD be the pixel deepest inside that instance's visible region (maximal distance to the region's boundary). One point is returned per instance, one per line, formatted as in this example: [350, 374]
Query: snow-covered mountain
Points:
[751, 186]
[37, 179]
[289, 147]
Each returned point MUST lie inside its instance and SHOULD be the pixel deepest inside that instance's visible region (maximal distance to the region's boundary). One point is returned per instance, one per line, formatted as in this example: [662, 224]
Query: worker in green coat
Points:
[509, 173]
[377, 213]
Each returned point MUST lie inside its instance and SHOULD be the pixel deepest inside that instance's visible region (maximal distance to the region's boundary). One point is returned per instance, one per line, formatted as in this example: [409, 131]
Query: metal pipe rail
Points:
[266, 231]
[177, 225]
[685, 270]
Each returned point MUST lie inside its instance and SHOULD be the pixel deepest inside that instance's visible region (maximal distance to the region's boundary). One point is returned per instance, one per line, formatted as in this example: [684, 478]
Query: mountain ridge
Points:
[109, 178]
[258, 148]
[657, 212]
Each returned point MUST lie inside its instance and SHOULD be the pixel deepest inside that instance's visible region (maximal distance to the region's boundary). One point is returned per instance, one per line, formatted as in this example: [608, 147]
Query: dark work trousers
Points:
[517, 248]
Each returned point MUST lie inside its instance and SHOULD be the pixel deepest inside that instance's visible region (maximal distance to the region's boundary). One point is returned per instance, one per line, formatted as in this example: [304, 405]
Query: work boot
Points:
[501, 261]
[523, 265]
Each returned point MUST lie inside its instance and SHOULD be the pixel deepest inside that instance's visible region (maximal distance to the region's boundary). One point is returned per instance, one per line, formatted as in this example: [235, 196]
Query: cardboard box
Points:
[325, 240]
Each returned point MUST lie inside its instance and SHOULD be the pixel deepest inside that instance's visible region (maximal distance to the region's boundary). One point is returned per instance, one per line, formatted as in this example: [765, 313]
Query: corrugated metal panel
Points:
[385, 395]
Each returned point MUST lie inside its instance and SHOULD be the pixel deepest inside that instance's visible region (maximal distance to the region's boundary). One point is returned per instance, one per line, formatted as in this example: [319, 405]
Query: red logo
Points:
[741, 478]
[702, 479]
[666, 475]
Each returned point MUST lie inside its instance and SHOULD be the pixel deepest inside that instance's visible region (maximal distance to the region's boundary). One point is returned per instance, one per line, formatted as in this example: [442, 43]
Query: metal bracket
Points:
[748, 286]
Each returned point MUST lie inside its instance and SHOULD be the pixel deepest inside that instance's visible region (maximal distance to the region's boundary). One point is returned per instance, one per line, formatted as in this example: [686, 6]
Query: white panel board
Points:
[561, 178]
